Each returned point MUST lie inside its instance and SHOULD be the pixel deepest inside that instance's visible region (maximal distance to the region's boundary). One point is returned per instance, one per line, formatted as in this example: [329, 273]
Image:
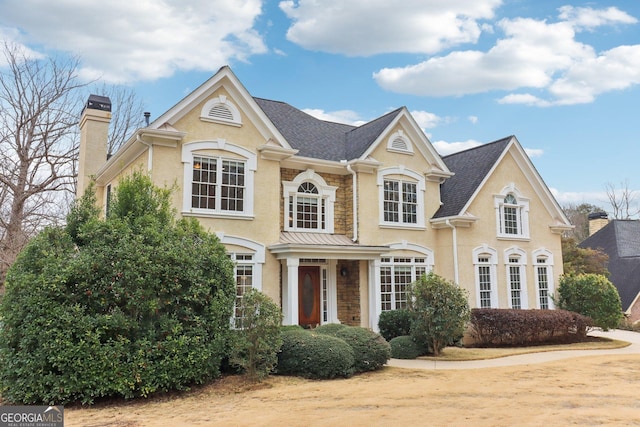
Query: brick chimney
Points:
[597, 221]
[94, 132]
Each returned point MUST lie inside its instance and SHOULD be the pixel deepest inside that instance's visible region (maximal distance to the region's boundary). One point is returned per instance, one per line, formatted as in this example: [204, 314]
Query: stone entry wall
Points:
[348, 288]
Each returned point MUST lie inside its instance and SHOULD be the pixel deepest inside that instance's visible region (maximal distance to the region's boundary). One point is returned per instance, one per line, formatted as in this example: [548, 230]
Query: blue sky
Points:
[564, 77]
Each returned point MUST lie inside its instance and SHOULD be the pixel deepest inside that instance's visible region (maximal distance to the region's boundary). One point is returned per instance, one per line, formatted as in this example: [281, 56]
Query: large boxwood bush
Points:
[394, 323]
[404, 347]
[126, 306]
[370, 350]
[312, 355]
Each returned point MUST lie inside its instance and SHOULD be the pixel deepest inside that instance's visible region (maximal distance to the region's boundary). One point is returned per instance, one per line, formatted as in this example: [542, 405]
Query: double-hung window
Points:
[401, 198]
[512, 215]
[244, 269]
[543, 271]
[485, 261]
[218, 184]
[218, 179]
[515, 261]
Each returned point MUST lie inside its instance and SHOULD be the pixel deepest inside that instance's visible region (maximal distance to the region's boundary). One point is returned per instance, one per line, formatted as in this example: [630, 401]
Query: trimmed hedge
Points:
[312, 355]
[371, 351]
[394, 323]
[507, 327]
[404, 347]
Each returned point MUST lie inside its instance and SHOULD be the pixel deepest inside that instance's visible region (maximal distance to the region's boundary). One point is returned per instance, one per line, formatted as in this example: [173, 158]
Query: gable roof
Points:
[471, 167]
[620, 239]
[322, 139]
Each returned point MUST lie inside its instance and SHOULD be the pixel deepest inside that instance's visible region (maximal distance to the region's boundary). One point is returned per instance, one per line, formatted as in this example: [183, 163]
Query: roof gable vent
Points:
[398, 142]
[221, 110]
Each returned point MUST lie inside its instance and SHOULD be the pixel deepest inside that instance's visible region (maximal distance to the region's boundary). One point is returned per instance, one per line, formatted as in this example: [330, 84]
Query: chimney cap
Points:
[598, 215]
[97, 102]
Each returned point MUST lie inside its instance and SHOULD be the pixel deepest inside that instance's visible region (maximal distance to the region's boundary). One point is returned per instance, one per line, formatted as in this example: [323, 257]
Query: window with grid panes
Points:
[515, 283]
[396, 276]
[244, 282]
[542, 277]
[218, 184]
[400, 202]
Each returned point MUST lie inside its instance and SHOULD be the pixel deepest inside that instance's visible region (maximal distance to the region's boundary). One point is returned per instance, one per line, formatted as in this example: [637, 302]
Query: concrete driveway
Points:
[527, 359]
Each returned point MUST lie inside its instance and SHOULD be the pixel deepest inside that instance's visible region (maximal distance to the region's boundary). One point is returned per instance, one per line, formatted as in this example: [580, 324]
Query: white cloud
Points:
[534, 152]
[473, 119]
[341, 116]
[531, 54]
[446, 148]
[369, 27]
[125, 41]
[596, 198]
[426, 120]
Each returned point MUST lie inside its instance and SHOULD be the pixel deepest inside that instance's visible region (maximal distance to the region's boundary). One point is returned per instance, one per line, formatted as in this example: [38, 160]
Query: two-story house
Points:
[334, 221]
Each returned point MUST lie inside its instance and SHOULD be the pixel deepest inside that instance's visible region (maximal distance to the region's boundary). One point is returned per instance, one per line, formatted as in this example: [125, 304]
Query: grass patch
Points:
[460, 354]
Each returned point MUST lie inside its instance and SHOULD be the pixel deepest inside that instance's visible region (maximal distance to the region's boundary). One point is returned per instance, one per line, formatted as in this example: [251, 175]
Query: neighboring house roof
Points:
[471, 168]
[321, 139]
[620, 239]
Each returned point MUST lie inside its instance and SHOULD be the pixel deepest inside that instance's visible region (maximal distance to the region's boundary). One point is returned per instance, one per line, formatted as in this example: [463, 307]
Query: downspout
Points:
[454, 235]
[354, 192]
[150, 151]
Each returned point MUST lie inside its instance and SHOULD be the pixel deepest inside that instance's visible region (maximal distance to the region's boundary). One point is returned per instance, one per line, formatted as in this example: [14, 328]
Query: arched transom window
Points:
[309, 203]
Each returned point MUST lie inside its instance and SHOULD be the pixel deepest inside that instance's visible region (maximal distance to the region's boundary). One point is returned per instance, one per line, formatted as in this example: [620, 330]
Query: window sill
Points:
[403, 226]
[518, 238]
[221, 215]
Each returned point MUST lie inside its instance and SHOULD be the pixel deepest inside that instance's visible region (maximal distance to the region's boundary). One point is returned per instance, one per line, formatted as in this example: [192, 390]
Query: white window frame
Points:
[419, 262]
[522, 213]
[224, 151]
[221, 101]
[240, 246]
[402, 175]
[492, 261]
[543, 259]
[326, 195]
[515, 257]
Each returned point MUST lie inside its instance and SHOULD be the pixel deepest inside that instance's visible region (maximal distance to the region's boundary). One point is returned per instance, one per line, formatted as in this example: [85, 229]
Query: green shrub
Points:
[256, 345]
[404, 347]
[126, 306]
[591, 295]
[440, 310]
[370, 350]
[394, 323]
[330, 328]
[312, 355]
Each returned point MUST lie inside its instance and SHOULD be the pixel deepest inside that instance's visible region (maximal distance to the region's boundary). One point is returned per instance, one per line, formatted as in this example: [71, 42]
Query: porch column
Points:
[374, 294]
[290, 293]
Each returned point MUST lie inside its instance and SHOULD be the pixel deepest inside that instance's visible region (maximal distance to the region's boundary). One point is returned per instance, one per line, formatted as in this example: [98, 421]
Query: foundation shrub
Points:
[330, 328]
[591, 295]
[312, 355]
[491, 327]
[404, 347]
[370, 350]
[394, 323]
[117, 307]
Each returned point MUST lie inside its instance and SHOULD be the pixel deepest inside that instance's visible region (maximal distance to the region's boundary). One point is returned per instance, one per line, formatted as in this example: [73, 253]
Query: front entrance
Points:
[309, 296]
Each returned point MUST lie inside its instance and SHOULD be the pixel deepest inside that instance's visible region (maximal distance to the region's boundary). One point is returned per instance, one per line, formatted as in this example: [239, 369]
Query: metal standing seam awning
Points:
[323, 245]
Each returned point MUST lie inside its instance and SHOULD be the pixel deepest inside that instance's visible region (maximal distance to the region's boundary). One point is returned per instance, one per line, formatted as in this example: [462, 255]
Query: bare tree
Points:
[128, 114]
[578, 215]
[40, 105]
[623, 200]
[38, 114]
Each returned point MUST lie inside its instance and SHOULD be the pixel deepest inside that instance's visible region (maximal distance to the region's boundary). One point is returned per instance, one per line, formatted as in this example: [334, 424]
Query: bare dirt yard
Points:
[582, 391]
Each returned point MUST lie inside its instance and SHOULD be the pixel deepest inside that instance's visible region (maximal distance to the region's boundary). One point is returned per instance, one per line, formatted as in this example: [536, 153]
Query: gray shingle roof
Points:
[321, 139]
[620, 239]
[470, 167]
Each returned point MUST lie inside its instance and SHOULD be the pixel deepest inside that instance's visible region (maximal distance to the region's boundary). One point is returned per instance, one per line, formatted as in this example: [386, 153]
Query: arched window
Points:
[516, 261]
[398, 142]
[512, 214]
[398, 270]
[309, 203]
[485, 260]
[543, 265]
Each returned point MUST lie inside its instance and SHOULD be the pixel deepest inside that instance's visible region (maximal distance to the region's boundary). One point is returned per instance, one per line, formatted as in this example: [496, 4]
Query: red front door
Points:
[309, 296]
